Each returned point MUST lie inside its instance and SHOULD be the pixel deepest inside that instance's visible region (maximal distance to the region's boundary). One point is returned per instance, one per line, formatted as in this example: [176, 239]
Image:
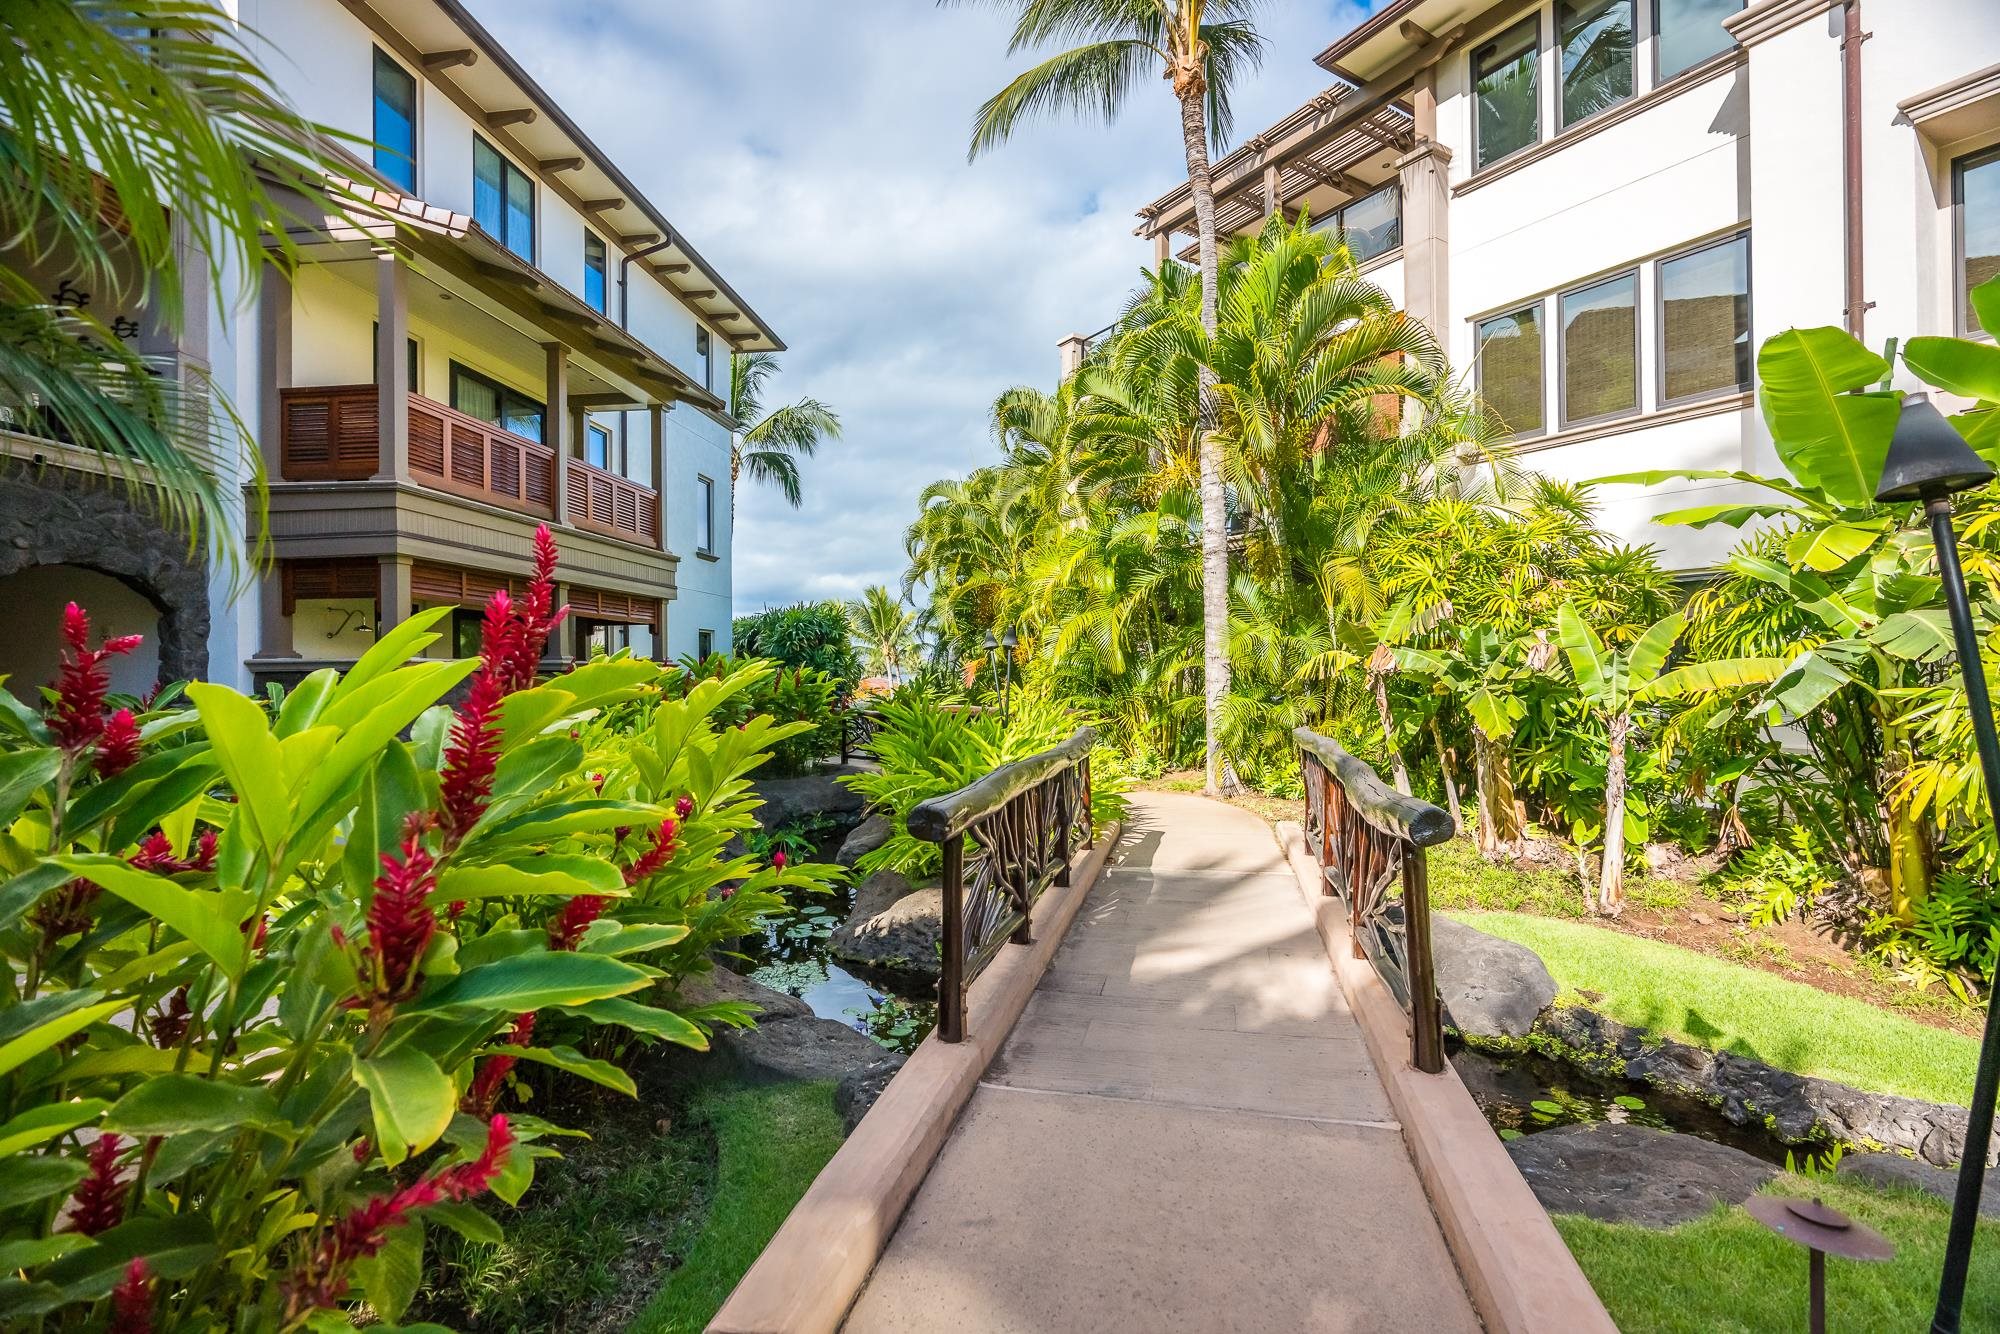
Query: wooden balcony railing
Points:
[1367, 836]
[604, 502]
[1024, 820]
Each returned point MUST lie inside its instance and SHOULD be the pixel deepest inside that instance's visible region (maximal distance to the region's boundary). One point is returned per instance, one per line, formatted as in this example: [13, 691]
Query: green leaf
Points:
[1733, 515]
[21, 773]
[574, 1062]
[412, 1100]
[174, 1247]
[209, 918]
[531, 981]
[625, 938]
[1914, 636]
[1960, 365]
[1808, 681]
[20, 894]
[64, 1021]
[1827, 547]
[391, 789]
[1827, 436]
[1629, 1103]
[414, 690]
[36, 1251]
[406, 640]
[174, 1104]
[390, 1276]
[562, 875]
[646, 1019]
[1701, 677]
[250, 758]
[1649, 654]
[38, 1124]
[1586, 656]
[574, 817]
[25, 1179]
[467, 1222]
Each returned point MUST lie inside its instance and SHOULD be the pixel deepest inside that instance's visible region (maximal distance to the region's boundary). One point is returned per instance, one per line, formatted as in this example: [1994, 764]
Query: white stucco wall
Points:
[697, 446]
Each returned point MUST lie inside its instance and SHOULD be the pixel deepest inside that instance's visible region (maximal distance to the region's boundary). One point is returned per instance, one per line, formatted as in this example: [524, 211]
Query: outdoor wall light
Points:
[1929, 461]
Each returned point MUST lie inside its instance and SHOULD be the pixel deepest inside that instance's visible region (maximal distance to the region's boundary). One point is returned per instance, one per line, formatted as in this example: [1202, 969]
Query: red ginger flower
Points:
[474, 752]
[778, 861]
[493, 1070]
[322, 1276]
[83, 681]
[566, 928]
[132, 1300]
[156, 853]
[67, 911]
[99, 1202]
[118, 747]
[169, 1024]
[655, 857]
[537, 620]
[685, 806]
[400, 923]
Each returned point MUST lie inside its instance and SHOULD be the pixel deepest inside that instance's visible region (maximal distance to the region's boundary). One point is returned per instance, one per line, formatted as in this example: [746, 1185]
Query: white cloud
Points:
[817, 159]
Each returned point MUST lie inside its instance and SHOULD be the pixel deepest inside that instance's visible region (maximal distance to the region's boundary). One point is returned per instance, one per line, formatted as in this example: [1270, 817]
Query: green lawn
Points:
[1726, 1274]
[770, 1144]
[1728, 1007]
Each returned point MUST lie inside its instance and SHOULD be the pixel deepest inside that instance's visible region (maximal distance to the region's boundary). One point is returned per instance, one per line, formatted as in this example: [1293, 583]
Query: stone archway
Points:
[54, 516]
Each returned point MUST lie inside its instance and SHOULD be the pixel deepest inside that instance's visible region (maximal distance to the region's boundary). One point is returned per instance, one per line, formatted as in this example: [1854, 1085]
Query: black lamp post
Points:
[1929, 461]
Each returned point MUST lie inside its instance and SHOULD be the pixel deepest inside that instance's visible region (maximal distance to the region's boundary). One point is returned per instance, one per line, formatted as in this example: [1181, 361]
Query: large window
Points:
[597, 451]
[1597, 39]
[1506, 93]
[490, 401]
[395, 122]
[593, 271]
[704, 516]
[1509, 361]
[1371, 225]
[1705, 321]
[1689, 32]
[1976, 199]
[503, 199]
[1600, 349]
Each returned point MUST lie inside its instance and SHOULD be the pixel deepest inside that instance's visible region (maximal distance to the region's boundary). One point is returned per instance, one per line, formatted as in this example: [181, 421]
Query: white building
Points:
[539, 344]
[1602, 207]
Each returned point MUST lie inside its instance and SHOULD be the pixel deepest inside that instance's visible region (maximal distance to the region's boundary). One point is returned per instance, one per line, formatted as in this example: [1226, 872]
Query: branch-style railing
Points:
[1366, 837]
[1006, 838]
[858, 723]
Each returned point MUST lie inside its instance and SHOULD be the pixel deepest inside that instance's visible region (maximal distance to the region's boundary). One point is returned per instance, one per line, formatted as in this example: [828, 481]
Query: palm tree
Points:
[1124, 42]
[130, 131]
[770, 445]
[886, 631]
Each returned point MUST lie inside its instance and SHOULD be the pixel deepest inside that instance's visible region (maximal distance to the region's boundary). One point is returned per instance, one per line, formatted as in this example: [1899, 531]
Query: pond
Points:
[792, 956]
[1522, 1093]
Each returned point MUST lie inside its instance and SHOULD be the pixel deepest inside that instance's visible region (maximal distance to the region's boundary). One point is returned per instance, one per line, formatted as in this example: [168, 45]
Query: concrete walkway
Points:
[1183, 1132]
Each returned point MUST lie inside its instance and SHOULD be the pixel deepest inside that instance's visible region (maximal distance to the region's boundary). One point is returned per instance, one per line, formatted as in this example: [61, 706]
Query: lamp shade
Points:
[991, 642]
[1009, 641]
[1927, 458]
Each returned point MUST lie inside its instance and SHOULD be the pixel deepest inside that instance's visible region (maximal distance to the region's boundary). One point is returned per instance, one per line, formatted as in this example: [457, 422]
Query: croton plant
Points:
[275, 967]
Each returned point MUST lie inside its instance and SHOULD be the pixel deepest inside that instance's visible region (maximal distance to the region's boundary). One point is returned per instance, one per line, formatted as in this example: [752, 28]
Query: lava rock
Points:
[858, 1089]
[893, 927]
[1491, 987]
[720, 984]
[1893, 1169]
[1635, 1174]
[867, 836]
[793, 801]
[797, 1049]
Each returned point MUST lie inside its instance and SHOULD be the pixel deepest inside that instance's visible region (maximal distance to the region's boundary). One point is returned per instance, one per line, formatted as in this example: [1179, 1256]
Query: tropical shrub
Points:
[271, 974]
[812, 635]
[800, 696]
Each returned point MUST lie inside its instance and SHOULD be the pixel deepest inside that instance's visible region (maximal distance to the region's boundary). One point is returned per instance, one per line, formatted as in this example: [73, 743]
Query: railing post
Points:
[1426, 1020]
[1034, 843]
[951, 969]
[1065, 824]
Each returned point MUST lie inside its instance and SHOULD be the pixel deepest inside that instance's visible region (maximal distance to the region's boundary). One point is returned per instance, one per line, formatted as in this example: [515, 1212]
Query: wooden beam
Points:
[464, 55]
[500, 120]
[1415, 32]
[639, 239]
[604, 205]
[501, 273]
[731, 318]
[702, 295]
[553, 164]
[672, 268]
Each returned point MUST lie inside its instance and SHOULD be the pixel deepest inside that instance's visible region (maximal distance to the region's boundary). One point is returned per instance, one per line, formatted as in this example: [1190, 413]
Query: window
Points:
[701, 350]
[1705, 321]
[704, 516]
[593, 271]
[1508, 352]
[704, 643]
[395, 122]
[1690, 31]
[1975, 191]
[375, 341]
[1600, 349]
[490, 401]
[1371, 225]
[1507, 114]
[503, 199]
[1597, 38]
[596, 446]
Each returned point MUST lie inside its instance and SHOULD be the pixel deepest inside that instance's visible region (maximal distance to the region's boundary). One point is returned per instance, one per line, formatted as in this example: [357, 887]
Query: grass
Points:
[771, 1142]
[1726, 1274]
[1730, 1007]
[1464, 881]
[693, 1199]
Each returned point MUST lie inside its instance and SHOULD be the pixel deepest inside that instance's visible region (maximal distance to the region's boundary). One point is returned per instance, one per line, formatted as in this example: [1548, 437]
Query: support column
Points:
[1072, 351]
[555, 419]
[393, 592]
[656, 425]
[274, 639]
[564, 645]
[392, 367]
[274, 366]
[1161, 252]
[1270, 190]
[1425, 173]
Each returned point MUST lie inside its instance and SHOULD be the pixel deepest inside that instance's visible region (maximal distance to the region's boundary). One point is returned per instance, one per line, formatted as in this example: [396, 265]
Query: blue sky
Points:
[818, 159]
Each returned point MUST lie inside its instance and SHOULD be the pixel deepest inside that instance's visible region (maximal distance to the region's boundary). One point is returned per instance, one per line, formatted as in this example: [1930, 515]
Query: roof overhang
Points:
[1391, 34]
[513, 110]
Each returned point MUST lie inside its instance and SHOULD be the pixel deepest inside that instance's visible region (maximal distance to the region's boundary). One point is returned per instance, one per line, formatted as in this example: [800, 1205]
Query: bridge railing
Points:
[1368, 838]
[1006, 838]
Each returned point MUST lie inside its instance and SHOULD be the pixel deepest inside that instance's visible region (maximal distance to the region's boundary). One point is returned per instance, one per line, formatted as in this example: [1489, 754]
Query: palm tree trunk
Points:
[1611, 876]
[1389, 732]
[1214, 517]
[1450, 779]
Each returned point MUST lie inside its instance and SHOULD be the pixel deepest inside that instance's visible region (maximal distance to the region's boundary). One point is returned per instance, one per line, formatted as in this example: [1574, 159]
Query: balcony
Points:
[604, 502]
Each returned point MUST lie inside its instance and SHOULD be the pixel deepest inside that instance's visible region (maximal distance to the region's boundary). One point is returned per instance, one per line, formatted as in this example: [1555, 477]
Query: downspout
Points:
[624, 323]
[1851, 38]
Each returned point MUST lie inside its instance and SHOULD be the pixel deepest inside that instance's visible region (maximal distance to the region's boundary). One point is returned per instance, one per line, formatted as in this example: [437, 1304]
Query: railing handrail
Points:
[1390, 811]
[950, 815]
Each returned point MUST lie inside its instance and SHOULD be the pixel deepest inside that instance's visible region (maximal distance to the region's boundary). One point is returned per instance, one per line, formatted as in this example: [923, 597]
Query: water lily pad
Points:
[1510, 1134]
[1547, 1108]
[1630, 1103]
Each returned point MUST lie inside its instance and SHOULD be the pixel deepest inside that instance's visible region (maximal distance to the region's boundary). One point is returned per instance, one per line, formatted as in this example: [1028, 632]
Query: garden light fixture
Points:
[1929, 461]
[1823, 1232]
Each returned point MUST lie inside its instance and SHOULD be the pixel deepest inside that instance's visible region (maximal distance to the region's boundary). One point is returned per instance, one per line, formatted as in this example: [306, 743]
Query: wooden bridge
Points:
[1204, 1117]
